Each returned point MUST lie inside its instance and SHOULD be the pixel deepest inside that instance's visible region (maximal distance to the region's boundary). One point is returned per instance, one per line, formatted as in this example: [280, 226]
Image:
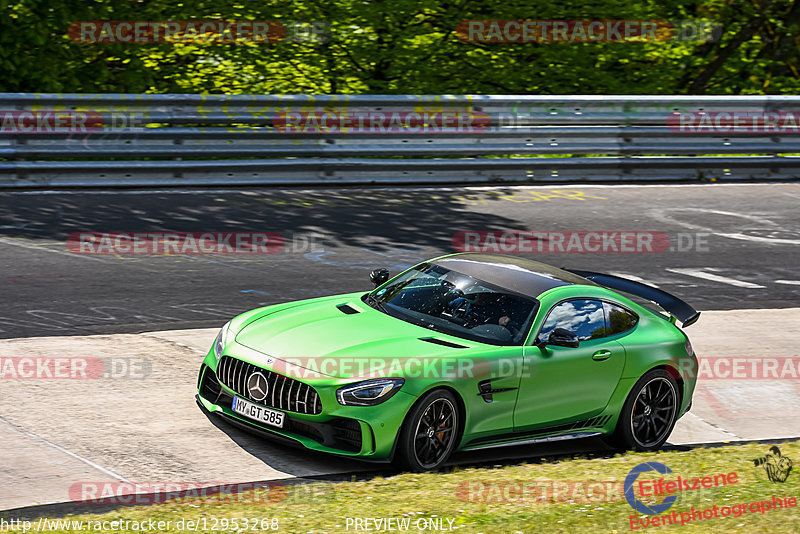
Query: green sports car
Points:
[462, 352]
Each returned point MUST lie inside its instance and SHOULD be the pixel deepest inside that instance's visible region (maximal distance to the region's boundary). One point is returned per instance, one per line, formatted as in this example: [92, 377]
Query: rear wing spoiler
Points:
[670, 303]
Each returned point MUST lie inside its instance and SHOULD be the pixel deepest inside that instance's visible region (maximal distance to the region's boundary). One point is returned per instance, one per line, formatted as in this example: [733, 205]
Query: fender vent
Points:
[442, 342]
[347, 309]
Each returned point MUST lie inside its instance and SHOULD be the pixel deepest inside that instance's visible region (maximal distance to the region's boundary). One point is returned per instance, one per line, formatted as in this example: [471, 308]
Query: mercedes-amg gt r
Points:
[462, 352]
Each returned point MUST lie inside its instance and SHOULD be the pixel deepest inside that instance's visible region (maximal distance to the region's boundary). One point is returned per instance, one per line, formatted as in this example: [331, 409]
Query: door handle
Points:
[601, 355]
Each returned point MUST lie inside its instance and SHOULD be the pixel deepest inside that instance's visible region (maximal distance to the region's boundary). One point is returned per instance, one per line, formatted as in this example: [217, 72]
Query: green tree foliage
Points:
[403, 47]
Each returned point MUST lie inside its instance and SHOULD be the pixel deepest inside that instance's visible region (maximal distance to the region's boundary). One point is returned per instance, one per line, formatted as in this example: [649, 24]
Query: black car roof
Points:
[521, 275]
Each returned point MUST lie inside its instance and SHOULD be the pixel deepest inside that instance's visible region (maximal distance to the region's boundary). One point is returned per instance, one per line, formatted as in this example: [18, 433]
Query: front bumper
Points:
[362, 432]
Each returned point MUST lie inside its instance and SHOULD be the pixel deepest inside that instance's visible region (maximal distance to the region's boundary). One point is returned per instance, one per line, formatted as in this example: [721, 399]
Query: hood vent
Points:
[347, 309]
[442, 342]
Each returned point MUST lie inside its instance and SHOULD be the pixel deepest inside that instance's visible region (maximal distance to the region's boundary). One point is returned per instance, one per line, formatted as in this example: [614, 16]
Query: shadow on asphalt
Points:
[355, 229]
[353, 216]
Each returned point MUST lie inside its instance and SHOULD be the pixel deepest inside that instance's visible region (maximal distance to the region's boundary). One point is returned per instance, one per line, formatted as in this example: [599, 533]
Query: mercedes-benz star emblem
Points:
[257, 386]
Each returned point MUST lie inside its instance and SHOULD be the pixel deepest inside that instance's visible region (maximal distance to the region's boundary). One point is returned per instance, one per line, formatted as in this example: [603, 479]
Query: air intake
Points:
[347, 309]
[442, 342]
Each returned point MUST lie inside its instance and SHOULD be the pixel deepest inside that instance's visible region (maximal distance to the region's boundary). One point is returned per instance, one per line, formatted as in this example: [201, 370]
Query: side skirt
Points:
[531, 441]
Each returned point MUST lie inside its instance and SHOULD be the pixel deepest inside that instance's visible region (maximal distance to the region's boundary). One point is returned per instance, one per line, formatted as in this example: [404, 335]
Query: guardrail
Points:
[53, 140]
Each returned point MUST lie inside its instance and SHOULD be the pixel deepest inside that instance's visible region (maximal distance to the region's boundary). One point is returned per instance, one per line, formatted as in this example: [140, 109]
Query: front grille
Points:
[337, 433]
[284, 393]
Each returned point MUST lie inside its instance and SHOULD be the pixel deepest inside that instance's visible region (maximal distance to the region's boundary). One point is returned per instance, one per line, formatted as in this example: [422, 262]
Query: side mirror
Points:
[561, 337]
[379, 276]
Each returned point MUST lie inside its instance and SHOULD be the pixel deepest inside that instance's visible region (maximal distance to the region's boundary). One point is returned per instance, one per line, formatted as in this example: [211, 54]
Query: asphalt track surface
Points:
[733, 246]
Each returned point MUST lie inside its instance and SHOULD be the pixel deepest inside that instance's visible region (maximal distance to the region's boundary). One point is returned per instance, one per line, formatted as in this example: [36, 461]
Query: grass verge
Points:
[572, 495]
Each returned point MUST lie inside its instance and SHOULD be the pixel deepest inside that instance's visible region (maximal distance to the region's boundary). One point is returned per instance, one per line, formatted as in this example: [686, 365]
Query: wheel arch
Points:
[461, 405]
[676, 375]
[616, 437]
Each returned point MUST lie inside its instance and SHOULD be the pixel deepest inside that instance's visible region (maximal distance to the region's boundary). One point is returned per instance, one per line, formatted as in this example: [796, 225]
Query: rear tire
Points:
[649, 413]
[429, 433]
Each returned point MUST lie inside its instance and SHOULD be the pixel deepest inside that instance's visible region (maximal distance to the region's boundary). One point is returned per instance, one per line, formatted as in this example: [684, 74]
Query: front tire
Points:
[649, 413]
[429, 433]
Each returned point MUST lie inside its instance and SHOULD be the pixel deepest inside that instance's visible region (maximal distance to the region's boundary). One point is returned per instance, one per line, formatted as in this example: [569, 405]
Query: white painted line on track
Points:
[65, 451]
[704, 274]
[760, 239]
[713, 425]
[664, 215]
[788, 282]
[7, 241]
[41, 248]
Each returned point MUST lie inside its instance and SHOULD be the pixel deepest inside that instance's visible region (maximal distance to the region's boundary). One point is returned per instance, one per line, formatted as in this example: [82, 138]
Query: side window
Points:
[619, 319]
[583, 317]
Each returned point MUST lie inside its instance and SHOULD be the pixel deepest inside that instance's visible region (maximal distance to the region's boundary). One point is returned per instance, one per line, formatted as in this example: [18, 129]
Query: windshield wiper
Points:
[375, 303]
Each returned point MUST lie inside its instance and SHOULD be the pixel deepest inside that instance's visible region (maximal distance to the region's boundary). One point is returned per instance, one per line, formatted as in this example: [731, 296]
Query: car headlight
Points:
[369, 392]
[222, 340]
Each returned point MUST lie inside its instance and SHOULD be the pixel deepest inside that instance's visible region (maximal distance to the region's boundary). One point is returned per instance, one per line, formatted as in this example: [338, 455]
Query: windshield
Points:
[453, 303]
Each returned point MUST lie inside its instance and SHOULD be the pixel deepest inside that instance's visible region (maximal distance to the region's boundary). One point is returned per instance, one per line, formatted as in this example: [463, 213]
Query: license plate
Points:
[258, 413]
